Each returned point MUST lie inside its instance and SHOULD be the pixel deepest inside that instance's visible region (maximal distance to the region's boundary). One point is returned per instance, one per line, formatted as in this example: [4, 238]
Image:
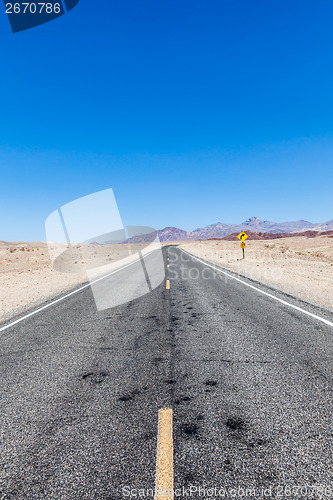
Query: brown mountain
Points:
[274, 236]
[252, 225]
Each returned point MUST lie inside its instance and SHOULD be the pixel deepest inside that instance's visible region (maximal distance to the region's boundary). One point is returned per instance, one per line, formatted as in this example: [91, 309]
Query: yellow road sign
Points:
[243, 245]
[242, 236]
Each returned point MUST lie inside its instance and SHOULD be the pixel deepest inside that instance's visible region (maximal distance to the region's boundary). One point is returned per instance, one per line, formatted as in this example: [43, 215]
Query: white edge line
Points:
[329, 323]
[69, 294]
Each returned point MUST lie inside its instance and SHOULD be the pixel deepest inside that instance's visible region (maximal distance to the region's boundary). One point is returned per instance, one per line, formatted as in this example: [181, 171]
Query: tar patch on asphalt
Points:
[258, 442]
[157, 360]
[130, 396]
[95, 378]
[190, 429]
[170, 381]
[183, 399]
[235, 423]
[211, 383]
[190, 479]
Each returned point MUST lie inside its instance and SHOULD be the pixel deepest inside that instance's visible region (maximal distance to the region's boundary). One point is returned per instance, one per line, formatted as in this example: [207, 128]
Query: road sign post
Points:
[242, 237]
[243, 246]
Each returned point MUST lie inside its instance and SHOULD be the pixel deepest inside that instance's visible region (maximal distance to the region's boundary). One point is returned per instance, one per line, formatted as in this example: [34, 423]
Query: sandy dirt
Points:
[300, 266]
[30, 274]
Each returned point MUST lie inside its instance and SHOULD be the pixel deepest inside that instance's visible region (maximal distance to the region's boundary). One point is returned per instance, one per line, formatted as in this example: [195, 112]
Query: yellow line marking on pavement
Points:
[164, 462]
[168, 265]
[168, 284]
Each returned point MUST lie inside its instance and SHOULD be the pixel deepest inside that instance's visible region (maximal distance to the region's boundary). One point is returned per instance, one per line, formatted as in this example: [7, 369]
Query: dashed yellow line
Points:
[168, 265]
[168, 284]
[164, 462]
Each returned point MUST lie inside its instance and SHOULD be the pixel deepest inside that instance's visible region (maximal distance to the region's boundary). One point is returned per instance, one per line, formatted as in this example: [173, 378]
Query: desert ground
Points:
[300, 265]
[31, 273]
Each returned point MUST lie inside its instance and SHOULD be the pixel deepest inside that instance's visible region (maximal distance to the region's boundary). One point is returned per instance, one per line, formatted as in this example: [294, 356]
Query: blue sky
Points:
[192, 111]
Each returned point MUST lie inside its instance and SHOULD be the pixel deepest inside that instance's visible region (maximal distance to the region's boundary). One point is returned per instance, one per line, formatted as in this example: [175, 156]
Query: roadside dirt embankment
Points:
[28, 278]
[300, 266]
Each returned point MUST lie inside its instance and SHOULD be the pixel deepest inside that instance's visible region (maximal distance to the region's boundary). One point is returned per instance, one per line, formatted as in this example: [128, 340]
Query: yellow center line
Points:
[168, 265]
[164, 462]
[168, 284]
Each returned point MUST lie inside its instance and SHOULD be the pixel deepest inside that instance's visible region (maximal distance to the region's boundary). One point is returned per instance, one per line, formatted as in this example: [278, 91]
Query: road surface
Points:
[248, 380]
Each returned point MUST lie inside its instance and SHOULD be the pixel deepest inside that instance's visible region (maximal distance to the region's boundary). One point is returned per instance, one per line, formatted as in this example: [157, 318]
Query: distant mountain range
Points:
[221, 230]
[254, 224]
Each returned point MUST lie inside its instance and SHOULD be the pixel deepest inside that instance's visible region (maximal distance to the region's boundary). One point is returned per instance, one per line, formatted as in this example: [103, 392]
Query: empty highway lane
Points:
[204, 385]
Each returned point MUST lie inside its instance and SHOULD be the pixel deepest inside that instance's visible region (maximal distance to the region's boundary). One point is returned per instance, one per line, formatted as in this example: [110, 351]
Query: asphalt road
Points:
[248, 379]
